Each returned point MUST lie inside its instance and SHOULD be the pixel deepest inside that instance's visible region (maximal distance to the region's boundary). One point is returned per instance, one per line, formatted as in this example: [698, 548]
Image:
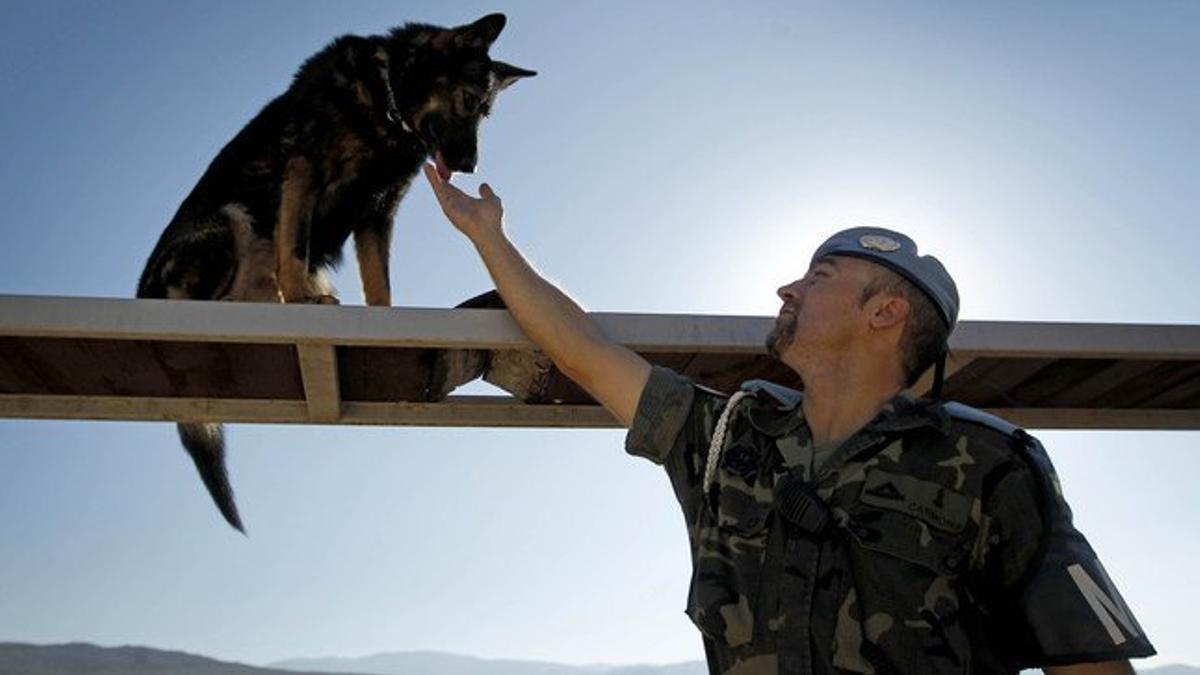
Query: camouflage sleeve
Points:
[1054, 603]
[672, 427]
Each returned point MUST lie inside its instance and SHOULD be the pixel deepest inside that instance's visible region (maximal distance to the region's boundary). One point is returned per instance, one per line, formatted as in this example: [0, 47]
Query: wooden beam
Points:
[481, 411]
[1032, 339]
[318, 332]
[1092, 418]
[269, 323]
[203, 321]
[455, 411]
[494, 329]
[318, 370]
[954, 363]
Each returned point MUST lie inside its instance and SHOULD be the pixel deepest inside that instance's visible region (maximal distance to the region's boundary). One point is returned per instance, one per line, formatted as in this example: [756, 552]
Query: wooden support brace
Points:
[318, 370]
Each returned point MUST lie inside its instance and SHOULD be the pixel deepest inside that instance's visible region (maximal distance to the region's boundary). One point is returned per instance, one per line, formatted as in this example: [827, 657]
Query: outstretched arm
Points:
[611, 373]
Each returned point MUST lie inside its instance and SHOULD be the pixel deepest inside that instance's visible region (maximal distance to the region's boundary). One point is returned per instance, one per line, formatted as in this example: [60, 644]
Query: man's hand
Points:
[473, 217]
[611, 373]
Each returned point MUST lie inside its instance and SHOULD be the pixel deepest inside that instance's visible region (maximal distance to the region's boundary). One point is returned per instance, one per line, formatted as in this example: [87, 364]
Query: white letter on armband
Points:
[1105, 607]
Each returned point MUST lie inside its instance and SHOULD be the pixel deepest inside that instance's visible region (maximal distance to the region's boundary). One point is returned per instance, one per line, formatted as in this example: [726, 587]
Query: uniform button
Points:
[953, 562]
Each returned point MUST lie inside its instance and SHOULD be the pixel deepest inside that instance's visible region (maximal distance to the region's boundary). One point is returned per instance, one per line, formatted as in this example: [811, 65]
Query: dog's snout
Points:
[465, 164]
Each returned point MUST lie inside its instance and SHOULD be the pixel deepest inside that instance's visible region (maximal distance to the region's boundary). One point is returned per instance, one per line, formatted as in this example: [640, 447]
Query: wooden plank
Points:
[1084, 394]
[954, 363]
[482, 411]
[1062, 375]
[1028, 339]
[494, 329]
[1098, 418]
[1185, 394]
[987, 382]
[384, 375]
[318, 370]
[79, 358]
[726, 372]
[205, 321]
[455, 411]
[86, 367]
[1136, 392]
[152, 408]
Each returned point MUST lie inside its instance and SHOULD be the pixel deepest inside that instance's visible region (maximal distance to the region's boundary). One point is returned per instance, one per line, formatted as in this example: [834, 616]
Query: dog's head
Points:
[449, 86]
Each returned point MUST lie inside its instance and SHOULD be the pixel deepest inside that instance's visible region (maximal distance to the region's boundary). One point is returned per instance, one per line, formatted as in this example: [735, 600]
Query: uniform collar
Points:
[904, 412]
[777, 415]
[907, 411]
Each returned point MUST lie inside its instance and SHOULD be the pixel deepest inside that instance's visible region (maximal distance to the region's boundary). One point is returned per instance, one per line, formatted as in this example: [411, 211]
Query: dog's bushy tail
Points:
[206, 445]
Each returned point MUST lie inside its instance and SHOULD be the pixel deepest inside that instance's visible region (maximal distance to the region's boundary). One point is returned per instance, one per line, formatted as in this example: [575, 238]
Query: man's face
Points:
[822, 310]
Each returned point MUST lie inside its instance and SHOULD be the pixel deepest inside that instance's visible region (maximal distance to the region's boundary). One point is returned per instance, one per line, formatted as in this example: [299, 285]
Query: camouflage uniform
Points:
[947, 546]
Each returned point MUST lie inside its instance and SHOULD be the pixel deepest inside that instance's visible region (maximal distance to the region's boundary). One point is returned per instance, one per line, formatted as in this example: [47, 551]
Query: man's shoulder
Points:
[967, 418]
[987, 432]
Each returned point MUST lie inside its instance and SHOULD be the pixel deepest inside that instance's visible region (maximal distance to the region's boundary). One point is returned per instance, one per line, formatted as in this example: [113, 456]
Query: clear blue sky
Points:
[670, 157]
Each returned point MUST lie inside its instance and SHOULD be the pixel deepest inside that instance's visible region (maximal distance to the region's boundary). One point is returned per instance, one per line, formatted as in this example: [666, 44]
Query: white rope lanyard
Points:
[718, 438]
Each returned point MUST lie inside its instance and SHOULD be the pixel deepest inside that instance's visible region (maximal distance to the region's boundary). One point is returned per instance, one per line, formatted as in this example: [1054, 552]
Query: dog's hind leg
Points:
[254, 260]
[194, 263]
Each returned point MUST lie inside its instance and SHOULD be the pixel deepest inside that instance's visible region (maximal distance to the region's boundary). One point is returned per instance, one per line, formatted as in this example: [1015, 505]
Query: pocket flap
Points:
[929, 502]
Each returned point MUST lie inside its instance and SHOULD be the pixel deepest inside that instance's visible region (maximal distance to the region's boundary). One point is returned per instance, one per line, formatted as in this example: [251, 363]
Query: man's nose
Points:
[789, 292]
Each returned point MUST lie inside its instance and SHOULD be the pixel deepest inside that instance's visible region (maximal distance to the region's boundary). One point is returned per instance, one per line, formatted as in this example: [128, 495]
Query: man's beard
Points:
[781, 334]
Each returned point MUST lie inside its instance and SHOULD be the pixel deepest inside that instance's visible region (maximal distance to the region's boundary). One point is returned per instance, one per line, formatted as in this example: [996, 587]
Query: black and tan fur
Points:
[329, 158]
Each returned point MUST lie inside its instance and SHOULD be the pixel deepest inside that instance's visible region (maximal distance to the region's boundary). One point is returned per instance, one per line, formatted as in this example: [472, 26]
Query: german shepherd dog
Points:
[330, 157]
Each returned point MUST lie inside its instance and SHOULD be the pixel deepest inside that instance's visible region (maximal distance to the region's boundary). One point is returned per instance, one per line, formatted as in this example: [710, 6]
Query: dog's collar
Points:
[414, 138]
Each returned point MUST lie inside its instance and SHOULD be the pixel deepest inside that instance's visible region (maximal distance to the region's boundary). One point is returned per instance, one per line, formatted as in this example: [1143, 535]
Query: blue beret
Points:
[898, 253]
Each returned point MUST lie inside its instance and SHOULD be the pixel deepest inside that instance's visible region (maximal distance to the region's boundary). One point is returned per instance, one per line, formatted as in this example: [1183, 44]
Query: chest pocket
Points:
[909, 542]
[914, 520]
[730, 551]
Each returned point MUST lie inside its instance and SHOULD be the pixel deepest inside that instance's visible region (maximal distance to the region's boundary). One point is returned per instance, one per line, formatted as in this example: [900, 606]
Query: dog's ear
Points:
[478, 35]
[507, 73]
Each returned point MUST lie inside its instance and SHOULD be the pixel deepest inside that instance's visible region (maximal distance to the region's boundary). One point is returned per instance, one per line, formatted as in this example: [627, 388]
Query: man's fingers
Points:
[435, 181]
[486, 191]
[442, 189]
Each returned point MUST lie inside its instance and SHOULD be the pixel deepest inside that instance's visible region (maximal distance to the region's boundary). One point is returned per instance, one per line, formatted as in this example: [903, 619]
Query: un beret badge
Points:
[878, 242]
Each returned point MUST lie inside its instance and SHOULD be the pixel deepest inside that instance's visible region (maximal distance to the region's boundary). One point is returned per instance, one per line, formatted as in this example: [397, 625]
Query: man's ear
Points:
[888, 311]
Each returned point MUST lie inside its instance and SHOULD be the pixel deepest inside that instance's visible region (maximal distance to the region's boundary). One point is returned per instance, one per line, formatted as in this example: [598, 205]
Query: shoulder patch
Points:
[786, 397]
[966, 413]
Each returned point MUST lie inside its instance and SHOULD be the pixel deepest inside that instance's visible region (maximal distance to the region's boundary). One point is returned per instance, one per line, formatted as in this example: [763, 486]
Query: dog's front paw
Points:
[325, 300]
[256, 294]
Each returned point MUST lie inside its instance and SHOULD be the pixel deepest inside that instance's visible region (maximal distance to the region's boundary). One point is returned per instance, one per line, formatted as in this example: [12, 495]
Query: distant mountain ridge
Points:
[87, 659]
[441, 663]
[1172, 670]
[77, 658]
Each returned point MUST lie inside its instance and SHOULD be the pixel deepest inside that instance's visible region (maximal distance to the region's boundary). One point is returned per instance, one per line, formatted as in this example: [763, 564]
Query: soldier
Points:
[852, 528]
